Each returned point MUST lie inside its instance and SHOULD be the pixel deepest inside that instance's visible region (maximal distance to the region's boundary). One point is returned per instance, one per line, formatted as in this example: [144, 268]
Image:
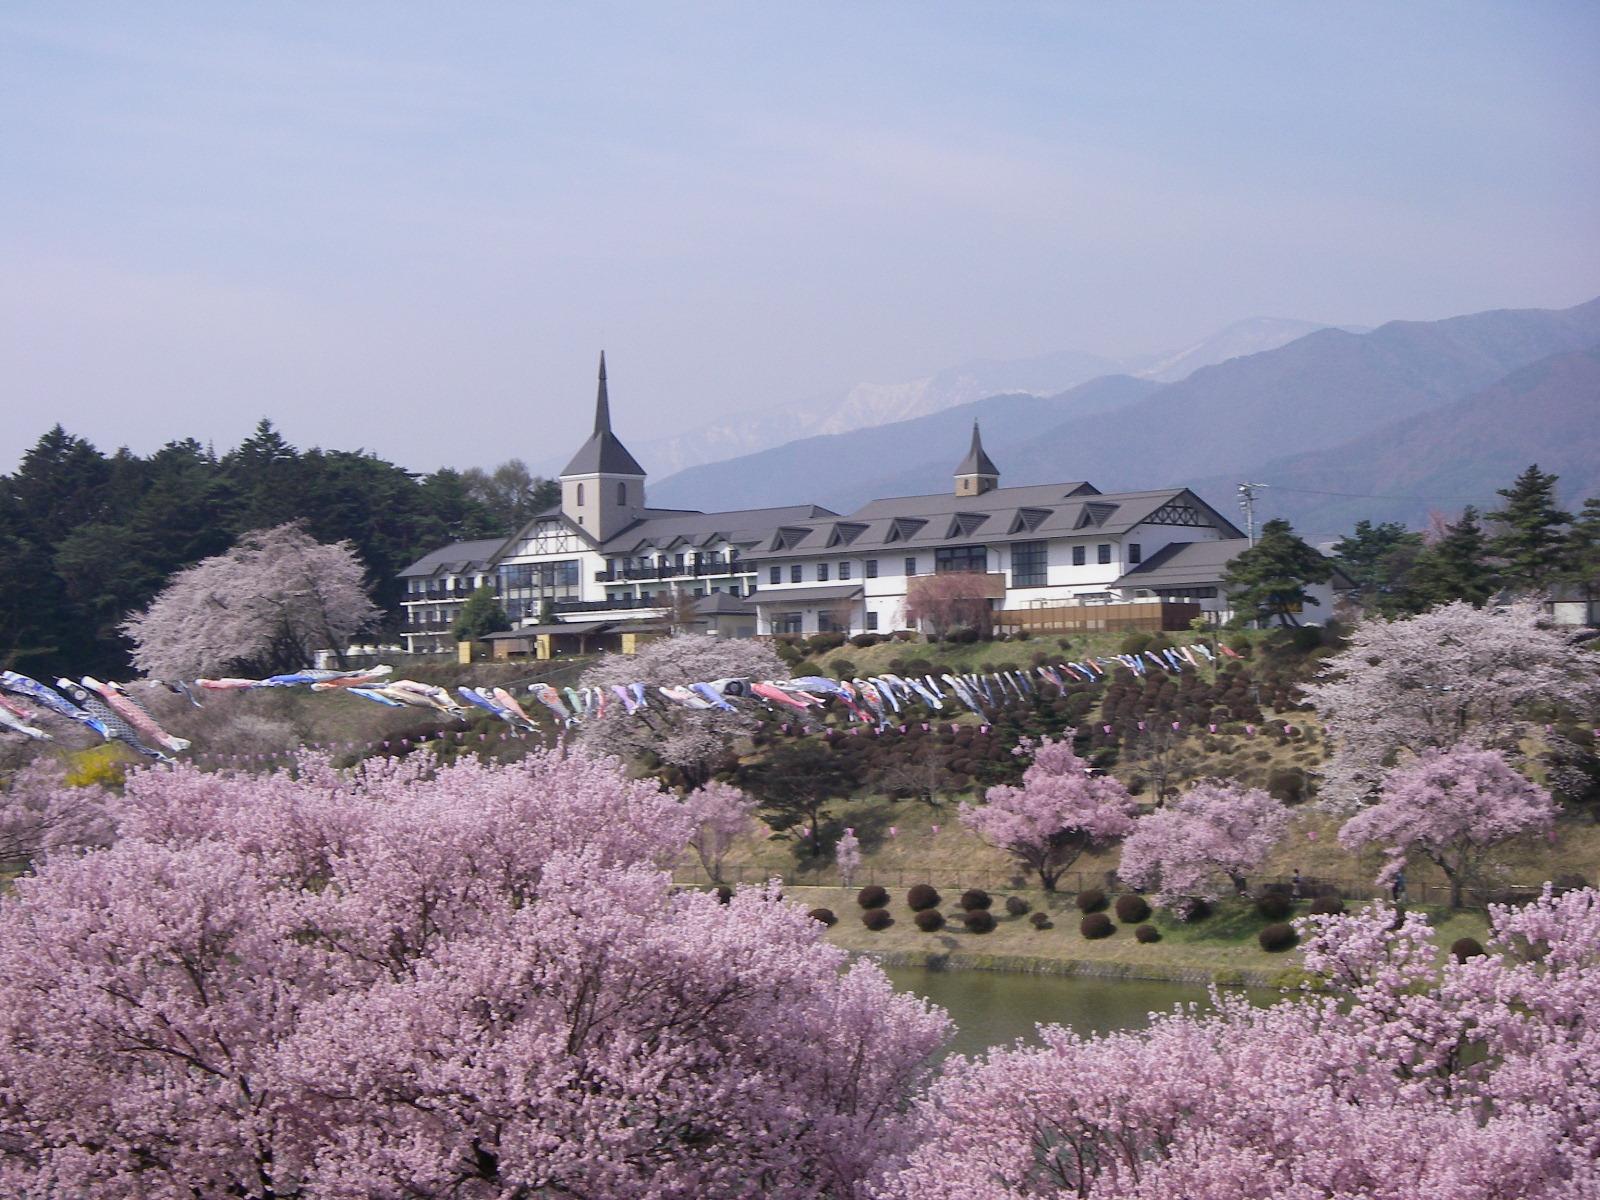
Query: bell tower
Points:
[977, 473]
[602, 488]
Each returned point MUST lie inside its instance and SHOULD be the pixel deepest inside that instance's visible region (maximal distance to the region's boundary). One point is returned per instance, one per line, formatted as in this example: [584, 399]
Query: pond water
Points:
[997, 1007]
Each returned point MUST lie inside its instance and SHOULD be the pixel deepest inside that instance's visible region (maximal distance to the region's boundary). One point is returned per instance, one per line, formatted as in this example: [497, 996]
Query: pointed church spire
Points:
[977, 473]
[602, 402]
[603, 452]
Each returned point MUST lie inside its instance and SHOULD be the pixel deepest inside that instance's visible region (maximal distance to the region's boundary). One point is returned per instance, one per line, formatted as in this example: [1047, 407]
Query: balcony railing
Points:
[702, 570]
[570, 606]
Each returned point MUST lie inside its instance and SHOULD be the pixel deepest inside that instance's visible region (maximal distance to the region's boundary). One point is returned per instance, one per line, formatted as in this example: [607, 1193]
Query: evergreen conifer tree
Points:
[1269, 579]
[1377, 558]
[1530, 537]
[1581, 559]
[1455, 567]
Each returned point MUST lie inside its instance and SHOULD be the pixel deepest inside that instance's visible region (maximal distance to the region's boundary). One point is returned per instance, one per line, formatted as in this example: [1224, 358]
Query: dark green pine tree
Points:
[1269, 580]
[1531, 534]
[460, 516]
[1456, 567]
[62, 483]
[480, 616]
[265, 475]
[1581, 557]
[1378, 559]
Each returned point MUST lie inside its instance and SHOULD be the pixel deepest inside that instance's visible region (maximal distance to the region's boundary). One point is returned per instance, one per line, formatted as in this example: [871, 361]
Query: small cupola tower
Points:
[602, 488]
[977, 473]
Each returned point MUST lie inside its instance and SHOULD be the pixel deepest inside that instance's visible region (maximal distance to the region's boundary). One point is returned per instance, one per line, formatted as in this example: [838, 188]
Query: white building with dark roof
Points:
[436, 586]
[605, 560]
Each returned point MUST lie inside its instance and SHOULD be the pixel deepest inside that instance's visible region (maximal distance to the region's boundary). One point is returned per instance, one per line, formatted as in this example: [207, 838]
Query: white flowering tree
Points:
[266, 605]
[1453, 676]
[691, 740]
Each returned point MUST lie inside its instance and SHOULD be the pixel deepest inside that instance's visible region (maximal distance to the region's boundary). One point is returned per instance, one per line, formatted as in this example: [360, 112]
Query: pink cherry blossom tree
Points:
[693, 741]
[1456, 675]
[1398, 1077]
[41, 812]
[426, 979]
[1451, 807]
[267, 605]
[724, 814]
[1215, 831]
[848, 856]
[1059, 811]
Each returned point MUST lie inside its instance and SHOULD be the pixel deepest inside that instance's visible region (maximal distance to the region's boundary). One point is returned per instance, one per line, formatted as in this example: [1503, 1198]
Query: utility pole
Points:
[1247, 501]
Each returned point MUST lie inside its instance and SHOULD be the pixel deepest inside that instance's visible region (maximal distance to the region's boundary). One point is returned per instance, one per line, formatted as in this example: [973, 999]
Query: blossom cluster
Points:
[415, 979]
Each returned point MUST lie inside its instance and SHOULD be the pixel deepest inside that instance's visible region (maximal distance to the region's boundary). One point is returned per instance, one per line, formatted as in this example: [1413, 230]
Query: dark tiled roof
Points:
[806, 595]
[1002, 515]
[658, 527]
[722, 602]
[455, 558]
[527, 631]
[1197, 564]
[1184, 564]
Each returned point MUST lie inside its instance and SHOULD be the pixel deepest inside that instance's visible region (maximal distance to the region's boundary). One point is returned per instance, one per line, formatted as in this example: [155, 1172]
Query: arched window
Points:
[580, 495]
[622, 494]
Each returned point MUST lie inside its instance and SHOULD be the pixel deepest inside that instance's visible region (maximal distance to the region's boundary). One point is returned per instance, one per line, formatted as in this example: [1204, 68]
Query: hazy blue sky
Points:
[411, 228]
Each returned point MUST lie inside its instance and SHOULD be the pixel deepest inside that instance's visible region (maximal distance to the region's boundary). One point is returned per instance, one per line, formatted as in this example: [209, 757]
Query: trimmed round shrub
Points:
[1273, 907]
[1198, 910]
[923, 896]
[1277, 937]
[1465, 948]
[872, 896]
[1040, 920]
[1096, 925]
[976, 900]
[1091, 900]
[1016, 906]
[1328, 906]
[724, 894]
[979, 920]
[1132, 909]
[1147, 933]
[825, 915]
[876, 919]
[930, 920]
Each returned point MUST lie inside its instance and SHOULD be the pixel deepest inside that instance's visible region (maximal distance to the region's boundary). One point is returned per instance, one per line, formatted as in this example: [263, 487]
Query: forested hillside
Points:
[87, 537]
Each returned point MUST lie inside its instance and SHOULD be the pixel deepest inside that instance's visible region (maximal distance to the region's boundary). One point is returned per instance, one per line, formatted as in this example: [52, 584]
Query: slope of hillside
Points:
[1254, 336]
[1221, 424]
[1313, 394]
[843, 471]
[869, 404]
[1548, 413]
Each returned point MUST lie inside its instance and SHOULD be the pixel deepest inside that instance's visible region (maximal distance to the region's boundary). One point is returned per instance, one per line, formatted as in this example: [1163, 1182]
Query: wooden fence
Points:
[1152, 616]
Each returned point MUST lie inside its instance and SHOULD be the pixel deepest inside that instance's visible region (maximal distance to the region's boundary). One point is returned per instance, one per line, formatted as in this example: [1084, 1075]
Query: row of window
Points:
[677, 562]
[1029, 563]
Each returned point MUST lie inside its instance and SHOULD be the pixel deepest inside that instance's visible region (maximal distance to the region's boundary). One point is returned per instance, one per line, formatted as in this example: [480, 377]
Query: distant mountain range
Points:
[869, 404]
[1410, 416]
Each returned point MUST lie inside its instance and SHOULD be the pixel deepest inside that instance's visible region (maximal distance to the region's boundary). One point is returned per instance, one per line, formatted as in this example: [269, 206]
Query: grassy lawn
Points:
[1222, 946]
